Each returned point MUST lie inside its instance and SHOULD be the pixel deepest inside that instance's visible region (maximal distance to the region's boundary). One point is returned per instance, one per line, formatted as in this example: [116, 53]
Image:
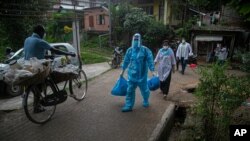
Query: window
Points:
[149, 9]
[91, 21]
[100, 19]
[161, 13]
[62, 48]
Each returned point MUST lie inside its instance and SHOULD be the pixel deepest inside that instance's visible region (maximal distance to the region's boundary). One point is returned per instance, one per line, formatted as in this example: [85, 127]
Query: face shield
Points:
[136, 42]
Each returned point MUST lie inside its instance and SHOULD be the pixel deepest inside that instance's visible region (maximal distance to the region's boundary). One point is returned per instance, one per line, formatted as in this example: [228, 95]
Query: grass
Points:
[92, 53]
[91, 58]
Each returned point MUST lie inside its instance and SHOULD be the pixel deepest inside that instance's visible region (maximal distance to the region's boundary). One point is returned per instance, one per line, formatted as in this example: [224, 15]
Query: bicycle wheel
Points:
[78, 86]
[32, 103]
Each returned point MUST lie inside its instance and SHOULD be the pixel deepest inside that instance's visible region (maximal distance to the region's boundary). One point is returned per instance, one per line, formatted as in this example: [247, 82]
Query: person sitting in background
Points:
[222, 55]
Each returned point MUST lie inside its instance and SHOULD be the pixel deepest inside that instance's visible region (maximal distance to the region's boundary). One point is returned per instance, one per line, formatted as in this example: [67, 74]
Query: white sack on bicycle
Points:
[27, 69]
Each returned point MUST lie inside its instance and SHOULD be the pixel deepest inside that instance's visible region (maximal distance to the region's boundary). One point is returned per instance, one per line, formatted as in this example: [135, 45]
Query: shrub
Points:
[155, 34]
[218, 96]
[245, 62]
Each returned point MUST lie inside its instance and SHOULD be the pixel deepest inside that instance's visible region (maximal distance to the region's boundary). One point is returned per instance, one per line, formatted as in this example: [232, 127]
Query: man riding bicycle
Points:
[35, 46]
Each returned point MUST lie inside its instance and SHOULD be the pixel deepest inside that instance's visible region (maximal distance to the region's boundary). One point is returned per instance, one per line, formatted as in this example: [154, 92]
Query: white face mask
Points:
[183, 41]
[44, 36]
[165, 47]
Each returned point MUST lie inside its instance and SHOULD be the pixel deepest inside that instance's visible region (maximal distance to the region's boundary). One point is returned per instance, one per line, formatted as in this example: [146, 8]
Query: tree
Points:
[137, 21]
[199, 4]
[205, 5]
[155, 34]
[118, 18]
[127, 20]
[242, 7]
[218, 96]
[55, 26]
[18, 18]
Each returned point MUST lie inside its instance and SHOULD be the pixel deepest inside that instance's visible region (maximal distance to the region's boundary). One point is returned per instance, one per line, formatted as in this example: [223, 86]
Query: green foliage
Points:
[200, 4]
[205, 5]
[118, 18]
[245, 62]
[184, 31]
[242, 7]
[128, 20]
[218, 96]
[93, 41]
[55, 27]
[92, 53]
[15, 26]
[155, 34]
[91, 58]
[2, 54]
[137, 21]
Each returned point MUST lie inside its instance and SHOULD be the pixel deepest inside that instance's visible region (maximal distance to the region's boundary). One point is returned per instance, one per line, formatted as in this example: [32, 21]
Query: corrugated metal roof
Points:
[208, 38]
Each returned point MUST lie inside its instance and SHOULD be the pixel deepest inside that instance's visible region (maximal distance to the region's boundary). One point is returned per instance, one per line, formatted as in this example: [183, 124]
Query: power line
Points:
[30, 5]
[58, 20]
[17, 10]
[32, 15]
[50, 2]
[22, 7]
[83, 1]
[21, 12]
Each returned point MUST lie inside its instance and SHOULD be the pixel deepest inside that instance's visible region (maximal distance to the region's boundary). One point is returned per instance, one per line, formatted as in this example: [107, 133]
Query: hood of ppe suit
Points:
[136, 41]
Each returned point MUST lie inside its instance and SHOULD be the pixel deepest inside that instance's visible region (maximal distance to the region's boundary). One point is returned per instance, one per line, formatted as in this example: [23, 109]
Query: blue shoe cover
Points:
[145, 104]
[126, 109]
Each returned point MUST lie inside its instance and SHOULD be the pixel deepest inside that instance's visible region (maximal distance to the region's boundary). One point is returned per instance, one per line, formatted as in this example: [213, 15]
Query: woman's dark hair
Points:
[39, 29]
[165, 43]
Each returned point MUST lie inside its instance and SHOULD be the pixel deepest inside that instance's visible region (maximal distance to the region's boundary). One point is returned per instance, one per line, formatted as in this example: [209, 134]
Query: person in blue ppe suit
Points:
[138, 59]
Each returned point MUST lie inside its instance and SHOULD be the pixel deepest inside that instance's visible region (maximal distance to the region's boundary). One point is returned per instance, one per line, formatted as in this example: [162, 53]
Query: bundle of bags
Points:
[120, 87]
[69, 68]
[154, 83]
[22, 70]
[64, 73]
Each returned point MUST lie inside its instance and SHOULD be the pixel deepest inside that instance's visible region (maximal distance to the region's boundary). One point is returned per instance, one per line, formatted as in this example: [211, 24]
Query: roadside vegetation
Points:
[219, 98]
[91, 52]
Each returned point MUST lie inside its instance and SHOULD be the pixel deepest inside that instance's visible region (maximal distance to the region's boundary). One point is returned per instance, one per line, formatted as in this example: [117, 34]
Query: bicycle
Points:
[48, 94]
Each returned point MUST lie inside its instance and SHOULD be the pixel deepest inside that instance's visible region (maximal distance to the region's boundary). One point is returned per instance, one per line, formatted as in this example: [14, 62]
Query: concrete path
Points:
[99, 116]
[93, 70]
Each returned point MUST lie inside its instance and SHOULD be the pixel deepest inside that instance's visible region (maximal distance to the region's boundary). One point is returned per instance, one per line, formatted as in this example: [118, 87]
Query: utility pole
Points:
[76, 40]
[110, 25]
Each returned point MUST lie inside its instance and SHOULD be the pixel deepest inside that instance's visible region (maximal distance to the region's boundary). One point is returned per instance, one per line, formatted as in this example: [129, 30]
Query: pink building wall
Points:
[92, 24]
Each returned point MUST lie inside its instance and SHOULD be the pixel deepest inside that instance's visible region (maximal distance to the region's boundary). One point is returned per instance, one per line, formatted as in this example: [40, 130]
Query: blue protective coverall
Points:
[138, 59]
